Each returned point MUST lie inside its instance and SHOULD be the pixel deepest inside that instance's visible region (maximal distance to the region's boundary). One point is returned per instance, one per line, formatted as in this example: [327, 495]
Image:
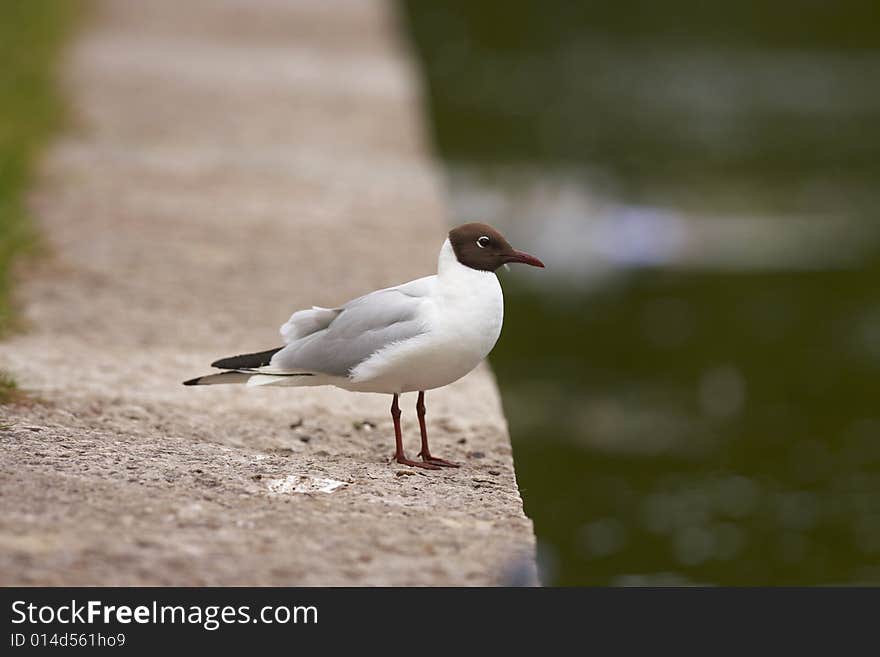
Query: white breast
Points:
[470, 306]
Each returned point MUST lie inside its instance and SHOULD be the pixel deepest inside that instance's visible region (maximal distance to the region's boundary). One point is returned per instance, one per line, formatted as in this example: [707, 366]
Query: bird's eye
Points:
[482, 242]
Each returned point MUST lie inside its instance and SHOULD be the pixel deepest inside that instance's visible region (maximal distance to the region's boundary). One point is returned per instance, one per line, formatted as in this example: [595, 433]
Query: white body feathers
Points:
[417, 336]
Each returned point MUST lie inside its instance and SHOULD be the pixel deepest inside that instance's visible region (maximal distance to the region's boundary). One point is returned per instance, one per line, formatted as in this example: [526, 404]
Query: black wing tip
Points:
[259, 359]
[193, 382]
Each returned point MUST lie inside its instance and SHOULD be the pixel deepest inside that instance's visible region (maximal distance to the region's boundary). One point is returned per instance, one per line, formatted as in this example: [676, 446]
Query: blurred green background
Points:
[31, 36]
[693, 383]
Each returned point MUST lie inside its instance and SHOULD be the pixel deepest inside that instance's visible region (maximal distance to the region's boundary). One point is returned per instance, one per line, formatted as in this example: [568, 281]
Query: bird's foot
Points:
[416, 464]
[433, 460]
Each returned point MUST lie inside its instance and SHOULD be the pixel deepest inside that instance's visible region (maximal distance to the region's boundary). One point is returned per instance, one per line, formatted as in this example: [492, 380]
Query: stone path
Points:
[231, 161]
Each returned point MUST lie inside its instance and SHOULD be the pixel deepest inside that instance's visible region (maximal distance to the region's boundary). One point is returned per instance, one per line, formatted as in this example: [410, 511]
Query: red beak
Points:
[524, 258]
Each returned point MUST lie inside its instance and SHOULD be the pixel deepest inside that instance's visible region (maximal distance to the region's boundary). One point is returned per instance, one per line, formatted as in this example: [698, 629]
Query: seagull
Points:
[417, 336]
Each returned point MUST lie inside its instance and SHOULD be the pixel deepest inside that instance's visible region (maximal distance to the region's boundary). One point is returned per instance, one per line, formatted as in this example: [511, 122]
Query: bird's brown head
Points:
[479, 246]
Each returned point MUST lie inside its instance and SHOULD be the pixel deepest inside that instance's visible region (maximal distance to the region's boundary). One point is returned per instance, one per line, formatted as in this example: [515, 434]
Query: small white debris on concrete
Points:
[303, 484]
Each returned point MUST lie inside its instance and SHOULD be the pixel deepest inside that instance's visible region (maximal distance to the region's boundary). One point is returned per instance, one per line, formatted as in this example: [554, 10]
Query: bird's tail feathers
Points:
[214, 379]
[253, 370]
[247, 361]
[252, 378]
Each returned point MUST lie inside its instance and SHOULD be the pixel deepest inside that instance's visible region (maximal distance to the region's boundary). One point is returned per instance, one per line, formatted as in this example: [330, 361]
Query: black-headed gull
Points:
[418, 336]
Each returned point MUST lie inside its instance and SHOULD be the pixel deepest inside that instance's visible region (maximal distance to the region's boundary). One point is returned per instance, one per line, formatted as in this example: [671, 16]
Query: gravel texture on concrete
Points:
[232, 161]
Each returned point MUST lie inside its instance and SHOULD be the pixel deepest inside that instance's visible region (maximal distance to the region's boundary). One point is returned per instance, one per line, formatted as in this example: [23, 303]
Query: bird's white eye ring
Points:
[482, 242]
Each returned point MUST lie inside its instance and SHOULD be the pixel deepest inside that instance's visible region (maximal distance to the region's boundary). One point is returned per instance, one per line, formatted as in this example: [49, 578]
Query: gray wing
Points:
[342, 338]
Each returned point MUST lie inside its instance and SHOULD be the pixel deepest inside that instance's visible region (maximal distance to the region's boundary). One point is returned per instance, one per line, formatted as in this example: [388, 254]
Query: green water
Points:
[713, 423]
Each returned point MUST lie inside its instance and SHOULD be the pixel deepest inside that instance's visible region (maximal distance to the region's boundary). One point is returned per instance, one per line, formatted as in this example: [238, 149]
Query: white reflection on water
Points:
[584, 235]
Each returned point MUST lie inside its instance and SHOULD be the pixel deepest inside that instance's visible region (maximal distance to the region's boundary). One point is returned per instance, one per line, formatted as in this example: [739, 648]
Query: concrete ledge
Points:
[234, 161]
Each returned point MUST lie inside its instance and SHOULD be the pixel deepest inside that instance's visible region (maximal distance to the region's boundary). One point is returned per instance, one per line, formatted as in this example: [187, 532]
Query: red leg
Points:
[399, 454]
[426, 452]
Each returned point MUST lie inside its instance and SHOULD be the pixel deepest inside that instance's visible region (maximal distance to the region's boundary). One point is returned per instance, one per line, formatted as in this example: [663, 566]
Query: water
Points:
[693, 383]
